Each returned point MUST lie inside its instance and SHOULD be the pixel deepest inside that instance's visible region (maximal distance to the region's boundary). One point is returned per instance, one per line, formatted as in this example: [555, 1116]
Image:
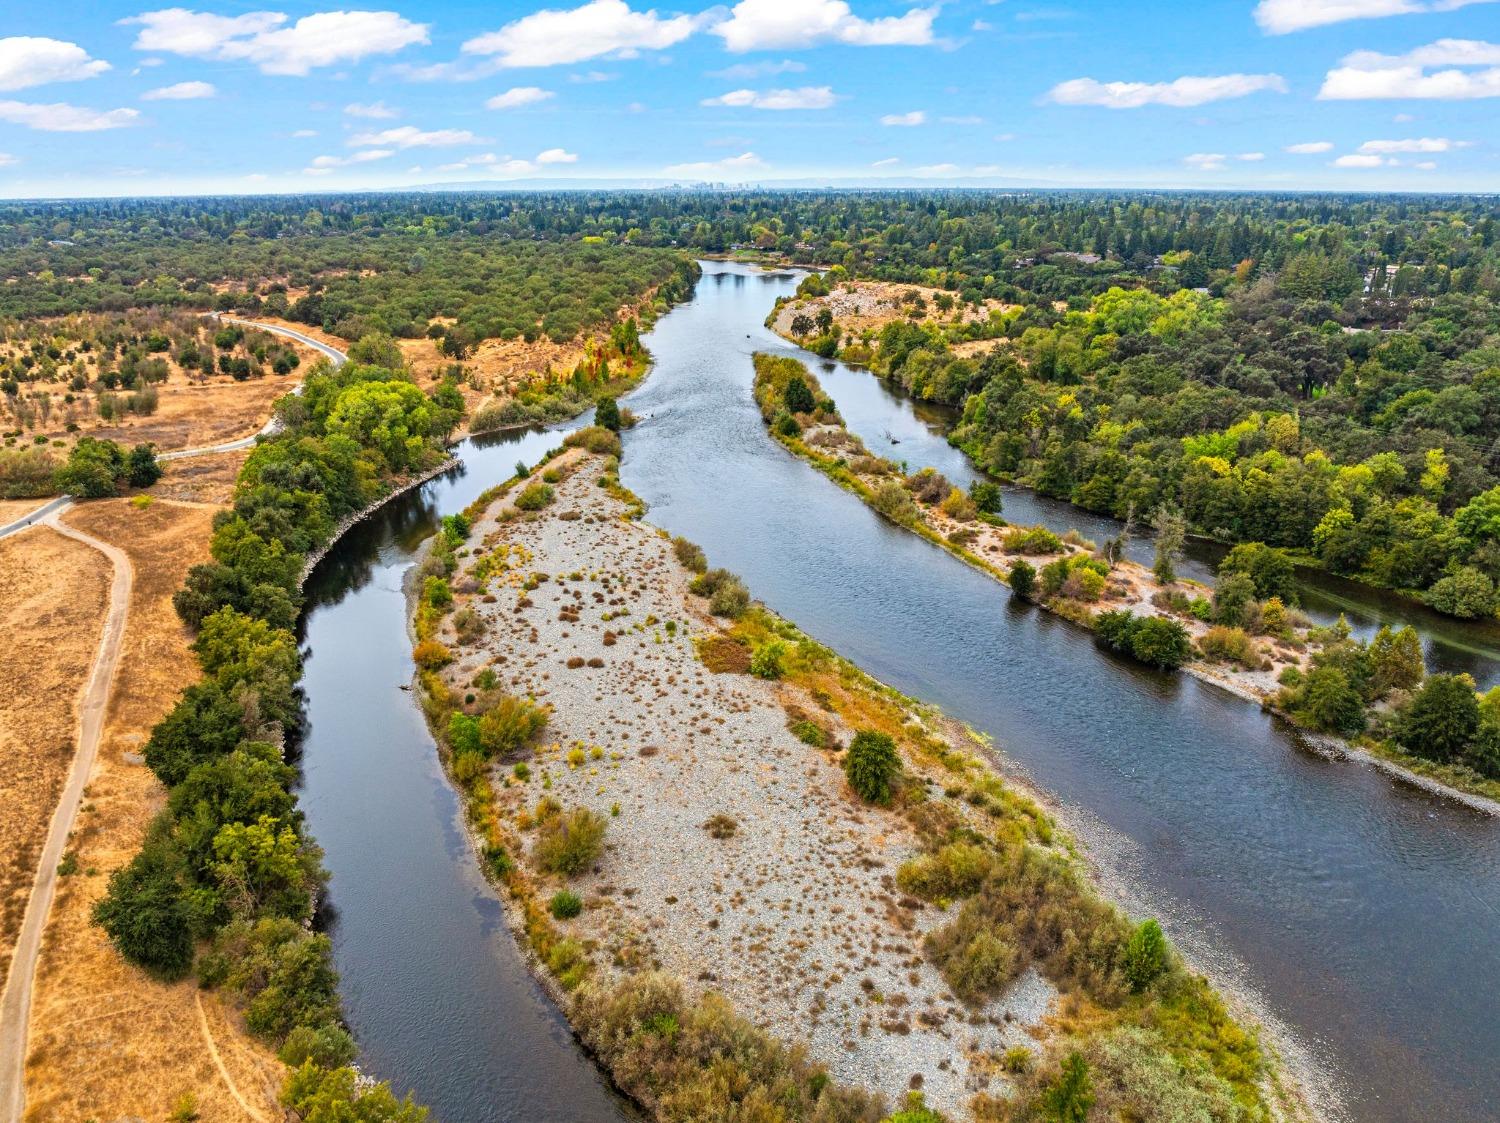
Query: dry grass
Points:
[106, 1041]
[12, 509]
[201, 479]
[873, 304]
[53, 596]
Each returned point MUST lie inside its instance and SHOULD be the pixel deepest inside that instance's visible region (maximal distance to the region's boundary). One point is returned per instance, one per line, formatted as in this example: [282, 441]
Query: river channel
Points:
[1358, 913]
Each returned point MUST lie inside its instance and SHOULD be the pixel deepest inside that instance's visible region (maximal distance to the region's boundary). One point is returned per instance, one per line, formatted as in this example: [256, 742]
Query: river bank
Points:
[1253, 668]
[652, 721]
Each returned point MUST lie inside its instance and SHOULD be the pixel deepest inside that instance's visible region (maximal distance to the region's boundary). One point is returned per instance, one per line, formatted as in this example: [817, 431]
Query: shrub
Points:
[690, 555]
[986, 496]
[569, 844]
[729, 597]
[1229, 645]
[1022, 579]
[766, 662]
[146, 914]
[1032, 540]
[1327, 700]
[1441, 720]
[797, 397]
[328, 1046]
[1145, 956]
[534, 496]
[468, 625]
[980, 967]
[1233, 596]
[721, 826]
[565, 905]
[1071, 1095]
[1161, 643]
[724, 655]
[321, 1094]
[929, 486]
[595, 438]
[957, 870]
[1054, 577]
[810, 733]
[1466, 593]
[283, 972]
[437, 593]
[785, 425]
[607, 414]
[959, 506]
[872, 765]
[509, 724]
[895, 503]
[430, 655]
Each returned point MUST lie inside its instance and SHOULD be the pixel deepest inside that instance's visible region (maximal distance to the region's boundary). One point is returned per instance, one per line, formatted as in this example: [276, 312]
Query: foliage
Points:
[595, 438]
[568, 844]
[726, 593]
[872, 765]
[1441, 720]
[690, 555]
[607, 414]
[1157, 640]
[565, 905]
[1271, 571]
[1145, 956]
[535, 495]
[1022, 578]
[1071, 1096]
[97, 469]
[766, 662]
[146, 914]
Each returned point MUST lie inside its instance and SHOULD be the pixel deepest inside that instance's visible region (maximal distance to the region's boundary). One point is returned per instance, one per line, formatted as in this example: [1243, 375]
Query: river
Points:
[1357, 912]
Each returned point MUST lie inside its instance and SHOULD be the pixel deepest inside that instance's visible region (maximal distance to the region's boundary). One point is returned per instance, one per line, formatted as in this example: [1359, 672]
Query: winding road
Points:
[15, 1002]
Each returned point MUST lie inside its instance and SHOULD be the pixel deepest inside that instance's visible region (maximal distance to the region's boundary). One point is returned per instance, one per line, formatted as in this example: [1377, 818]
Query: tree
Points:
[872, 765]
[824, 319]
[264, 867]
[1271, 570]
[93, 470]
[1161, 642]
[1233, 594]
[1145, 956]
[1441, 720]
[1171, 533]
[797, 396]
[458, 342]
[1022, 579]
[1328, 701]
[1069, 1098]
[141, 467]
[801, 324]
[146, 914]
[1466, 593]
[607, 414]
[1396, 660]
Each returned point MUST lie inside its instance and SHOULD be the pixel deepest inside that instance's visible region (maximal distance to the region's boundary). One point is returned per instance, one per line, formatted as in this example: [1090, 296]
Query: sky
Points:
[109, 97]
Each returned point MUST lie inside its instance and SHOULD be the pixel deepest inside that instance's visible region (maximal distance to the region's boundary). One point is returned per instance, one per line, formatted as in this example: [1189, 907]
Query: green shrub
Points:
[895, 503]
[955, 871]
[767, 660]
[509, 724]
[1326, 700]
[607, 414]
[1071, 1096]
[1032, 540]
[322, 1095]
[872, 765]
[1229, 645]
[690, 555]
[726, 593]
[595, 438]
[986, 496]
[1440, 721]
[1466, 593]
[1022, 579]
[565, 905]
[328, 1046]
[569, 844]
[1161, 642]
[810, 733]
[1145, 956]
[1269, 569]
[436, 592]
[535, 495]
[146, 912]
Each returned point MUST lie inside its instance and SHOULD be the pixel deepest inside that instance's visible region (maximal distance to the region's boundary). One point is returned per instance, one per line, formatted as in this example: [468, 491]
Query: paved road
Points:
[15, 1002]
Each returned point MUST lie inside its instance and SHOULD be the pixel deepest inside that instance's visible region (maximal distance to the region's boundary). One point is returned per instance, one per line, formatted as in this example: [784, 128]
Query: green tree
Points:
[1171, 533]
[1070, 1097]
[1329, 702]
[1161, 642]
[1022, 579]
[146, 914]
[141, 467]
[1396, 660]
[1145, 956]
[797, 396]
[872, 765]
[1270, 569]
[607, 414]
[1441, 720]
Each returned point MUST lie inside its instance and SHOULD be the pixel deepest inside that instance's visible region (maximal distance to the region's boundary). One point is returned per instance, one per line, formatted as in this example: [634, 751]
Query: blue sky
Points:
[108, 97]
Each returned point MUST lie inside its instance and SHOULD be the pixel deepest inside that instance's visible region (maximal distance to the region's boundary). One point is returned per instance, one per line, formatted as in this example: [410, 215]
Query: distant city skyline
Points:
[100, 97]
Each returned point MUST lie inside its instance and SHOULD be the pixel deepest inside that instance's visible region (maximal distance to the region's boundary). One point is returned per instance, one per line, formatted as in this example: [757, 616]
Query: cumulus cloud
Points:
[373, 111]
[1449, 69]
[557, 156]
[409, 136]
[1180, 93]
[905, 120]
[268, 41]
[1309, 147]
[518, 96]
[323, 165]
[181, 91]
[760, 25]
[1278, 17]
[29, 61]
[601, 28]
[7, 160]
[805, 97]
[1360, 160]
[60, 117]
[729, 167]
[1415, 144]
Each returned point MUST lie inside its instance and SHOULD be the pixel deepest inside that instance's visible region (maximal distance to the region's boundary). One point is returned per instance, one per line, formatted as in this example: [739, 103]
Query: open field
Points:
[53, 596]
[867, 306]
[106, 1040]
[12, 509]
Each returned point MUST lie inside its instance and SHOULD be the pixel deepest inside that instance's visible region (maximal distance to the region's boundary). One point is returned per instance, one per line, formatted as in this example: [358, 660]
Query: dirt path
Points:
[15, 1005]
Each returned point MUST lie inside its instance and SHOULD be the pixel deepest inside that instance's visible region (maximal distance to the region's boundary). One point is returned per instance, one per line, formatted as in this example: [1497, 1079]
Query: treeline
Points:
[228, 878]
[1006, 245]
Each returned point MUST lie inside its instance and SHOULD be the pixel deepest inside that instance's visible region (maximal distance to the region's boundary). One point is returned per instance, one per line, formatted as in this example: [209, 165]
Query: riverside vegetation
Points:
[1129, 1028]
[227, 880]
[1244, 633]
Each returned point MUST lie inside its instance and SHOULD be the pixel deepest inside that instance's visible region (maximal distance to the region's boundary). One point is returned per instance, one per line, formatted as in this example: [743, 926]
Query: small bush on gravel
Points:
[721, 826]
[595, 438]
[723, 655]
[1032, 540]
[690, 554]
[534, 496]
[957, 870]
[468, 624]
[569, 844]
[430, 655]
[810, 733]
[766, 663]
[872, 765]
[565, 905]
[726, 593]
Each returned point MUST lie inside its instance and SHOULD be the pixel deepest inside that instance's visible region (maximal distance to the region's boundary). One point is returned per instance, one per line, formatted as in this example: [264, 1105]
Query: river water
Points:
[1358, 913]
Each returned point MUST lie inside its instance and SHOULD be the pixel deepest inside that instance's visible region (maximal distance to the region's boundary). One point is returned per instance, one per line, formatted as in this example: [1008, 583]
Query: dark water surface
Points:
[1365, 915]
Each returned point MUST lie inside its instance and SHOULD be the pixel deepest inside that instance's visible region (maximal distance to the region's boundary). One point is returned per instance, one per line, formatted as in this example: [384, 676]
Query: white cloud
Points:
[372, 111]
[930, 170]
[600, 28]
[1416, 144]
[759, 25]
[268, 41]
[1309, 148]
[744, 70]
[1179, 93]
[805, 97]
[1403, 118]
[182, 91]
[905, 120]
[1360, 161]
[7, 160]
[29, 61]
[517, 96]
[1277, 17]
[1426, 165]
[887, 162]
[409, 136]
[557, 156]
[716, 169]
[322, 165]
[63, 118]
[305, 133]
[1206, 161]
[1449, 69]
